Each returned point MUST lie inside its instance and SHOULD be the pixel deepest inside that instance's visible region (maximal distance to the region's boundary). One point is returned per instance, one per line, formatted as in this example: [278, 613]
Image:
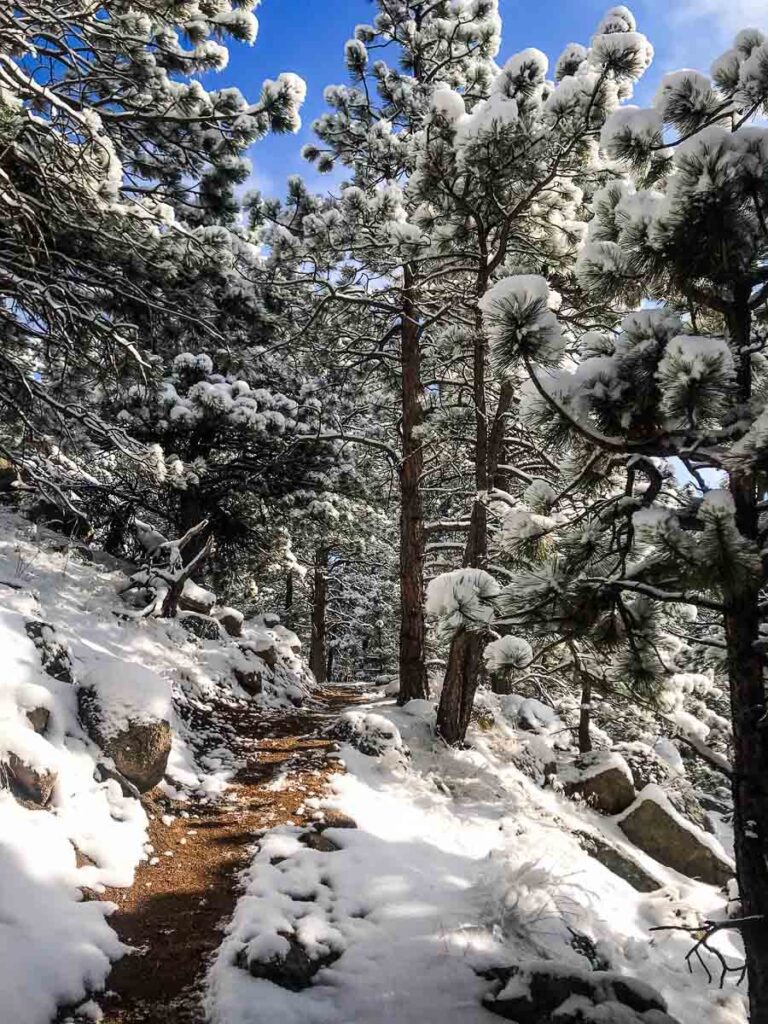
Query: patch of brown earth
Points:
[174, 914]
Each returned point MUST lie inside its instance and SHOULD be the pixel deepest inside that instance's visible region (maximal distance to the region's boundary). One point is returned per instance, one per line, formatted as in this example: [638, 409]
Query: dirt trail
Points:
[174, 913]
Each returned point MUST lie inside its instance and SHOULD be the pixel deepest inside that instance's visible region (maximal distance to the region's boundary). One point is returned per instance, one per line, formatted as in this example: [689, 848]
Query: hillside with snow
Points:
[418, 882]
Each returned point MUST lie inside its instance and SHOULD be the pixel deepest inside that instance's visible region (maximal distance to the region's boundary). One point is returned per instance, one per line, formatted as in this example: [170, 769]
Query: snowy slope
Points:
[460, 863]
[149, 666]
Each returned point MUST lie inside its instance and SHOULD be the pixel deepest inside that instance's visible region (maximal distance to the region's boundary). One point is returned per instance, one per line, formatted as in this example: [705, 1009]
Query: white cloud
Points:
[692, 33]
[722, 18]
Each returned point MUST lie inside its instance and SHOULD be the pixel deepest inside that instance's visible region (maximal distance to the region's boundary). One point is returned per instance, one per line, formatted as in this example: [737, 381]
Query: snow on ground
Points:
[460, 862]
[136, 666]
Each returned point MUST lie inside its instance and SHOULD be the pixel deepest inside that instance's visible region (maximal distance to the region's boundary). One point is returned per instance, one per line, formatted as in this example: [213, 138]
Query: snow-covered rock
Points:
[29, 782]
[541, 992]
[204, 627]
[369, 733]
[602, 779]
[231, 619]
[656, 828]
[126, 709]
[195, 598]
[617, 861]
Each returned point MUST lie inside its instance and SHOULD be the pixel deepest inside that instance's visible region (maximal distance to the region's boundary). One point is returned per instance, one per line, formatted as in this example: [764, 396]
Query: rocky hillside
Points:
[97, 708]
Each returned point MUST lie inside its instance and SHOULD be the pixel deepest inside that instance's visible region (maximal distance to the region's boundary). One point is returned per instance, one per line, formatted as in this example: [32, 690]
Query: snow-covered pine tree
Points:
[685, 381]
[375, 130]
[114, 162]
[501, 186]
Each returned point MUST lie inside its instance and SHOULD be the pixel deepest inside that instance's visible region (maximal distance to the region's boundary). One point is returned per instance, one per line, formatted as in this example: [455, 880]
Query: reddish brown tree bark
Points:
[412, 664]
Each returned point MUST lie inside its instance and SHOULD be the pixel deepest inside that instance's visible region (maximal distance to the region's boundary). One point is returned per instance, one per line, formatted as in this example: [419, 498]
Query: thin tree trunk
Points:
[748, 715]
[317, 649]
[465, 662]
[289, 590]
[585, 714]
[413, 671]
[329, 664]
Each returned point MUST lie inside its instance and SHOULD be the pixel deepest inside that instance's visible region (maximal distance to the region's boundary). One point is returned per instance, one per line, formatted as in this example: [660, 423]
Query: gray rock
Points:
[33, 785]
[542, 992]
[39, 718]
[371, 734]
[250, 672]
[685, 802]
[603, 780]
[194, 598]
[657, 830]
[618, 862]
[294, 971]
[140, 752]
[266, 651]
[231, 619]
[202, 626]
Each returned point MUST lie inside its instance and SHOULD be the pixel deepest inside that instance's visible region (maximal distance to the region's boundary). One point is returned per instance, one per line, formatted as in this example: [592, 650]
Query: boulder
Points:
[202, 626]
[542, 992]
[231, 619]
[294, 969]
[39, 718]
[194, 598]
[264, 648]
[647, 766]
[602, 779]
[250, 671]
[644, 764]
[139, 750]
[617, 861]
[371, 734]
[28, 783]
[656, 828]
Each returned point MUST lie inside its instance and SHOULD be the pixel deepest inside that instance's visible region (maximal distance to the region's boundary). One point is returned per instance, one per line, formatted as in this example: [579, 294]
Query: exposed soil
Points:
[174, 914]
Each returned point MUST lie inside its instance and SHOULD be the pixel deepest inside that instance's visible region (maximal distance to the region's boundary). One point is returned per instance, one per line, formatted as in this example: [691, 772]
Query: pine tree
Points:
[116, 166]
[685, 382]
[502, 185]
[375, 129]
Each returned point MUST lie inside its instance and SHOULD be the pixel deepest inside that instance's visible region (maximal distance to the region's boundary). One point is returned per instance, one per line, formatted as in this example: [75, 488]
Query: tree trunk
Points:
[748, 714]
[288, 590]
[585, 713]
[191, 512]
[465, 663]
[461, 677]
[317, 649]
[413, 671]
[329, 664]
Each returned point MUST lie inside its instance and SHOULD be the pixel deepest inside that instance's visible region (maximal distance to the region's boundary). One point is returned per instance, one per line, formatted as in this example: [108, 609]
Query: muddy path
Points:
[181, 900]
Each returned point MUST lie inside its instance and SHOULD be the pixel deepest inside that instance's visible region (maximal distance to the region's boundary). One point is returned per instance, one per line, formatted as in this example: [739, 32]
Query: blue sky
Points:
[308, 36]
